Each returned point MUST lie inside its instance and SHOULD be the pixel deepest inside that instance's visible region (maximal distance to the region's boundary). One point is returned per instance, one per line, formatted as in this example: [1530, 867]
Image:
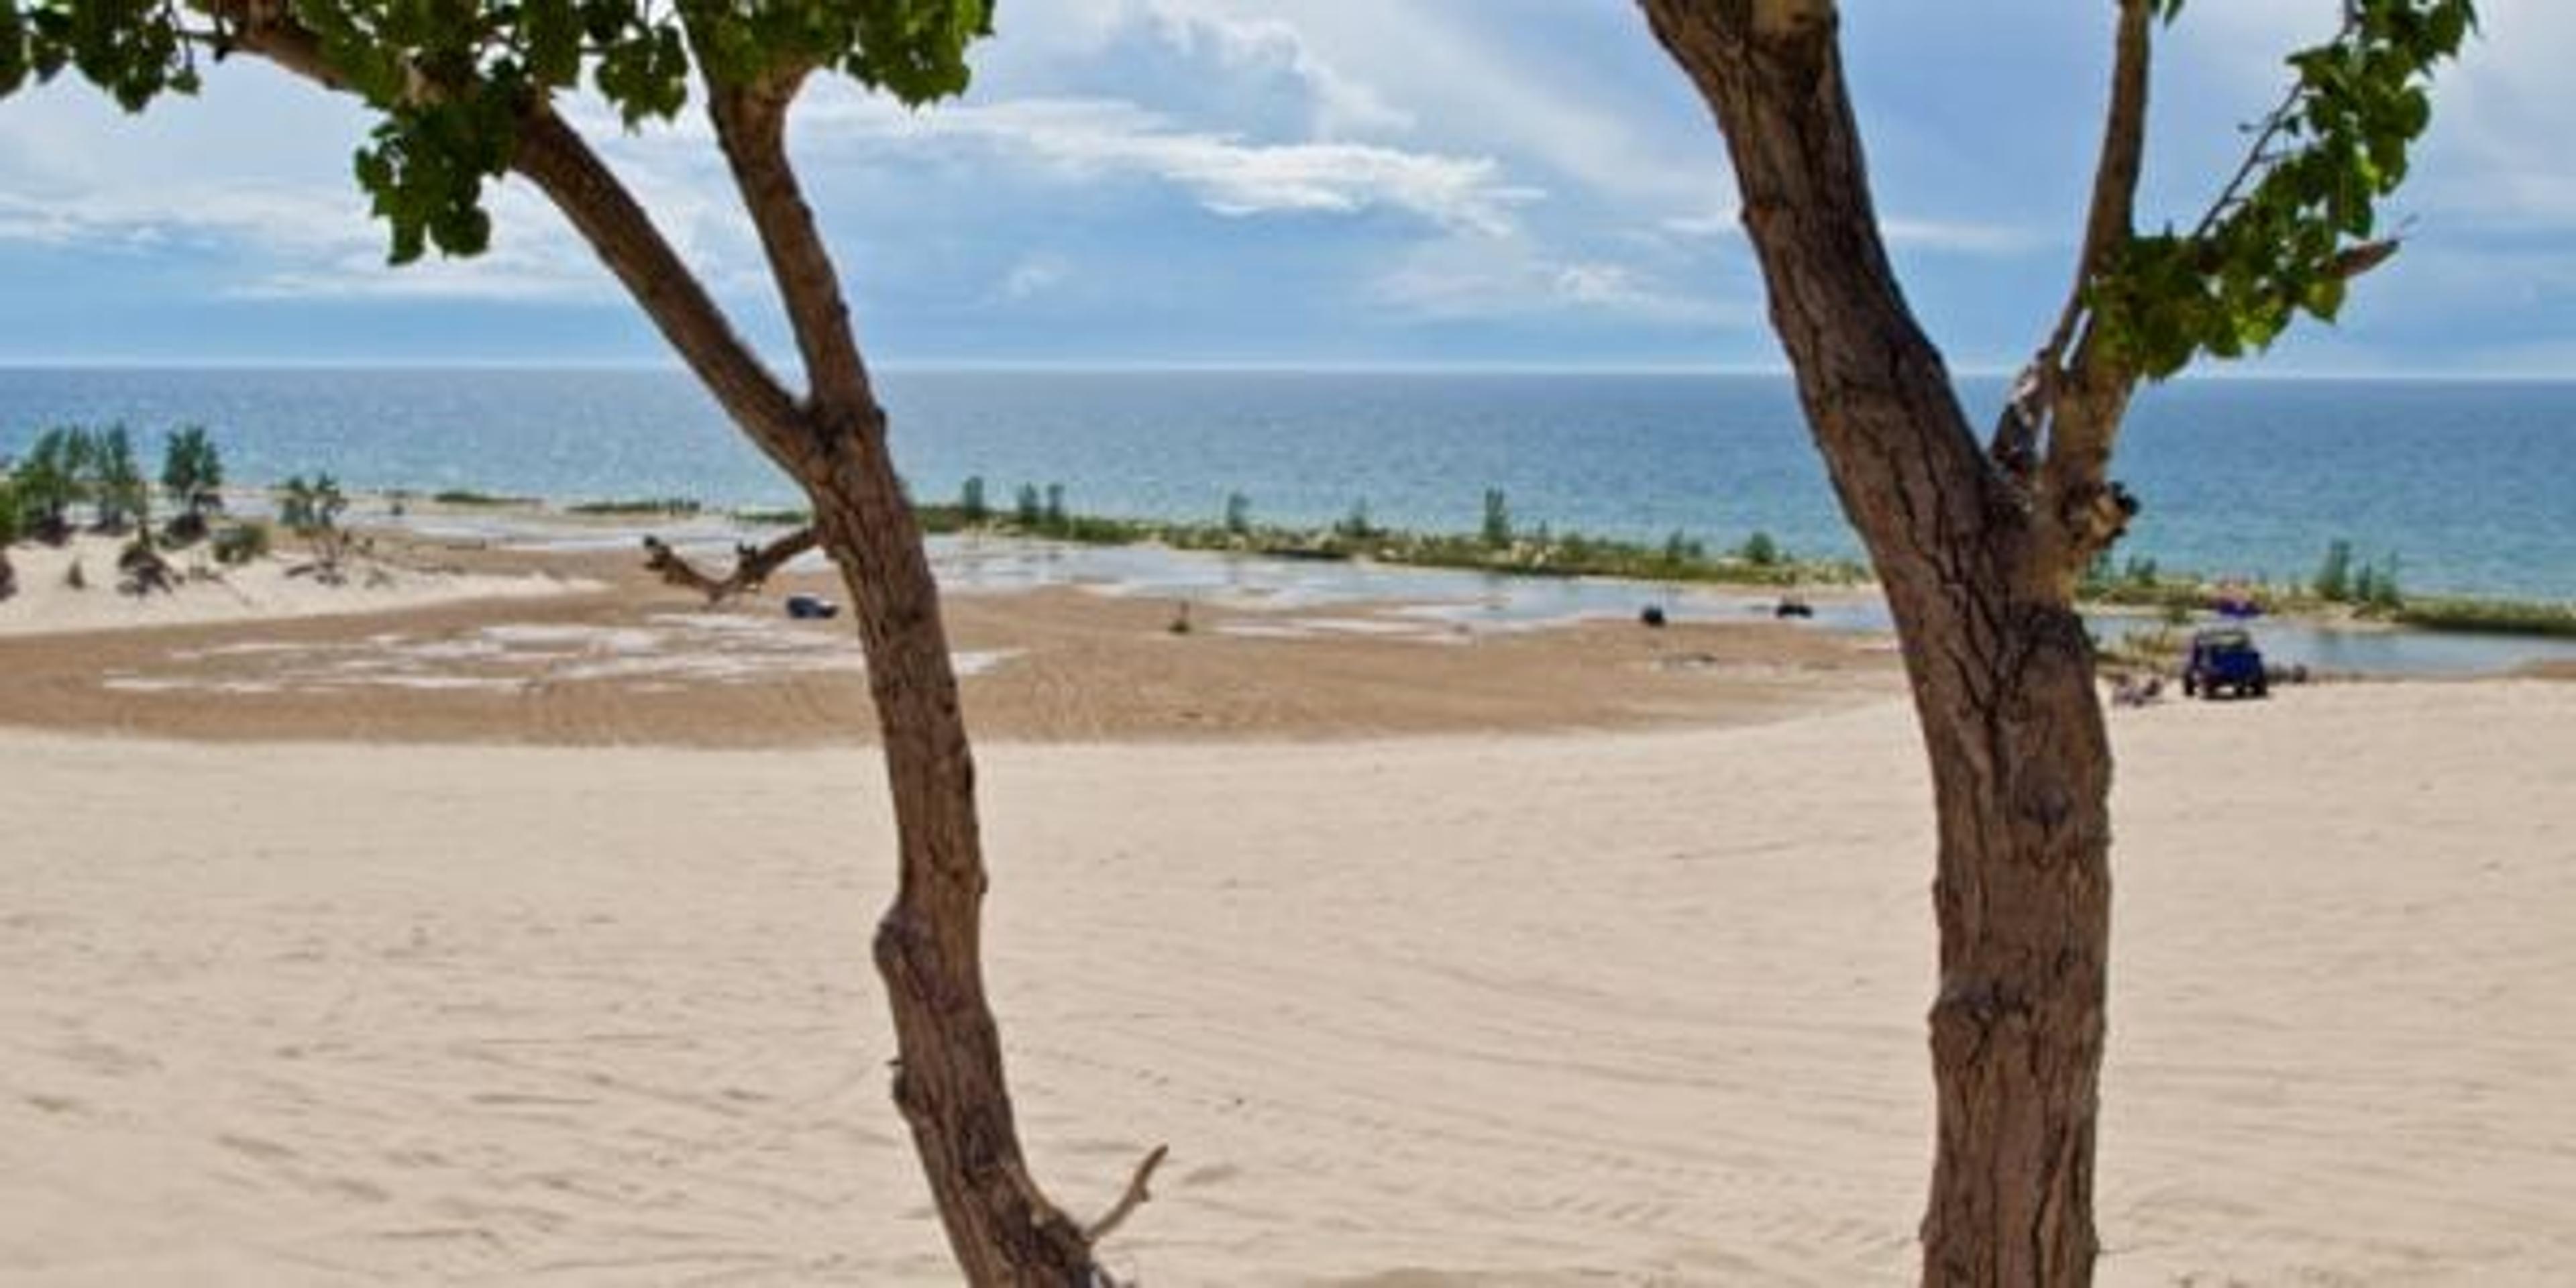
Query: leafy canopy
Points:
[2300, 219]
[451, 78]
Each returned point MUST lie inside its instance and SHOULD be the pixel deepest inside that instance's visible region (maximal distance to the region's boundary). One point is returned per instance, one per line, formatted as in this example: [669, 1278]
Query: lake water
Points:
[2471, 487]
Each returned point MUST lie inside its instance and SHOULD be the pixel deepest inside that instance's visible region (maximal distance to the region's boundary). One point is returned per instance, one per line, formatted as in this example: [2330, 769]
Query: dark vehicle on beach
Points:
[2224, 658]
[811, 607]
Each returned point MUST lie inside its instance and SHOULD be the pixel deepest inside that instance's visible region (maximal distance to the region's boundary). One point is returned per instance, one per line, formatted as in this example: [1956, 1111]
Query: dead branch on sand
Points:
[751, 567]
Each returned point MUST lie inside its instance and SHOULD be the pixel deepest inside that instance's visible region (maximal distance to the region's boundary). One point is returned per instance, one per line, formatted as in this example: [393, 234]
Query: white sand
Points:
[1599, 1010]
[45, 605]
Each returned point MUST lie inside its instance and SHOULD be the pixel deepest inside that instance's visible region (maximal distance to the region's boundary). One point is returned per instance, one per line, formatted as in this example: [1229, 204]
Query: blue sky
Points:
[1333, 182]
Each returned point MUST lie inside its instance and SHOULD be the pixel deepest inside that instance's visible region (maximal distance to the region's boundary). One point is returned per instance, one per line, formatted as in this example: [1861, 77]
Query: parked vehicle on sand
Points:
[811, 607]
[2224, 658]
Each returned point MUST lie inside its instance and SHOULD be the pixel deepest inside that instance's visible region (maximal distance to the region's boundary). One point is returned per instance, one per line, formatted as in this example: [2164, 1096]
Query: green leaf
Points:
[2285, 244]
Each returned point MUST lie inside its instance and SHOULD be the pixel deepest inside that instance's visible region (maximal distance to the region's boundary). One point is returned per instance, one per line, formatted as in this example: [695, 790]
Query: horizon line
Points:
[1243, 366]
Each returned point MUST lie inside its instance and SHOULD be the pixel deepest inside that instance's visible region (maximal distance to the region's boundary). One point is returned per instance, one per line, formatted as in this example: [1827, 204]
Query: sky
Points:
[1320, 183]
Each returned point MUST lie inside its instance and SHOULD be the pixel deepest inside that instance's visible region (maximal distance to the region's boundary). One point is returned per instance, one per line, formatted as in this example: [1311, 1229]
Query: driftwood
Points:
[752, 565]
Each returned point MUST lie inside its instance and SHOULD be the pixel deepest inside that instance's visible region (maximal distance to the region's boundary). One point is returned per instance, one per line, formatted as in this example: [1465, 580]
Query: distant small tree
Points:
[118, 494]
[312, 510]
[1238, 514]
[9, 533]
[2384, 593]
[1355, 526]
[1054, 517]
[80, 463]
[192, 473]
[1681, 548]
[49, 483]
[1497, 528]
[1760, 550]
[2333, 582]
[1026, 509]
[971, 505]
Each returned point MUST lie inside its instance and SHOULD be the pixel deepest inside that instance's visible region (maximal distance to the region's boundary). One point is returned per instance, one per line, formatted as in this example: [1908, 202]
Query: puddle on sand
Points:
[669, 651]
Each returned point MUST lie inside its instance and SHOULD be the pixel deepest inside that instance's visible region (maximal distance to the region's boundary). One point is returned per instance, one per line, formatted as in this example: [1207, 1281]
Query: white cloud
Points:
[1342, 105]
[1959, 237]
[295, 225]
[1033, 275]
[313, 241]
[1705, 225]
[1465, 79]
[1225, 173]
[1940, 236]
[1480, 278]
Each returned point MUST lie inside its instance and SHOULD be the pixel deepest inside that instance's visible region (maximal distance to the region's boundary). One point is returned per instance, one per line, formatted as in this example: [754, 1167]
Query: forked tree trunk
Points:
[2000, 667]
[949, 1079]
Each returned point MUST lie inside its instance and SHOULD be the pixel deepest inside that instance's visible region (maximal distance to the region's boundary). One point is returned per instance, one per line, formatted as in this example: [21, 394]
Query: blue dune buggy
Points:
[2224, 658]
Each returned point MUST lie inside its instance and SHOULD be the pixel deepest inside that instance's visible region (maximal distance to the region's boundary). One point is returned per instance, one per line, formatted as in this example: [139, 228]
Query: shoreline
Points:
[1055, 644]
[1542, 554]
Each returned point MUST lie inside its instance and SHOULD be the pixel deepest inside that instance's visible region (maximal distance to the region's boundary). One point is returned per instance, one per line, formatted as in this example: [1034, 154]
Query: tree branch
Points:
[1128, 1202]
[2115, 175]
[2080, 397]
[1912, 474]
[751, 126]
[265, 28]
[752, 565]
[551, 154]
[2259, 152]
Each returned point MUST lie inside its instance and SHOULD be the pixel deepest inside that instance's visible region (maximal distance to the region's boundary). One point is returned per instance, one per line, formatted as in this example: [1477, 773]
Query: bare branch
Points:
[752, 565]
[1128, 1202]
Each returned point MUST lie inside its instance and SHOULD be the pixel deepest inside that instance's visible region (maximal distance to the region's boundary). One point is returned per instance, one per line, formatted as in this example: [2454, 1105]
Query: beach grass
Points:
[676, 507]
[471, 497]
[2488, 616]
[1540, 552]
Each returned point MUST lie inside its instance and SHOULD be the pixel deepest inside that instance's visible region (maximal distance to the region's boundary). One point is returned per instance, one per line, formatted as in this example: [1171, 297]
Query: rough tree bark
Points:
[1979, 552]
[949, 1079]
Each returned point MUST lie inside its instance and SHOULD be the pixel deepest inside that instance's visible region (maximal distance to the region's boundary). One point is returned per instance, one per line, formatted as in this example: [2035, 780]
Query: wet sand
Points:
[615, 657]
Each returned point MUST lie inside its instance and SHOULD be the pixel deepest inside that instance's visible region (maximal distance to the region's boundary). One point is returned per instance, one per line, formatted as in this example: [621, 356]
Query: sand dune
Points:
[261, 591]
[1605, 1009]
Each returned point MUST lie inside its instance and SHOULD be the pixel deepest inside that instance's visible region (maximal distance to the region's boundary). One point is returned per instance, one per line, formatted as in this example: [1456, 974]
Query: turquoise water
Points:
[2468, 485]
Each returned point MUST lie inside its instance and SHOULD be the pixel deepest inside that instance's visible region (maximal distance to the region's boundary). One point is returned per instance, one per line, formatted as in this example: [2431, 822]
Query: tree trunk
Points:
[949, 1079]
[2000, 667]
